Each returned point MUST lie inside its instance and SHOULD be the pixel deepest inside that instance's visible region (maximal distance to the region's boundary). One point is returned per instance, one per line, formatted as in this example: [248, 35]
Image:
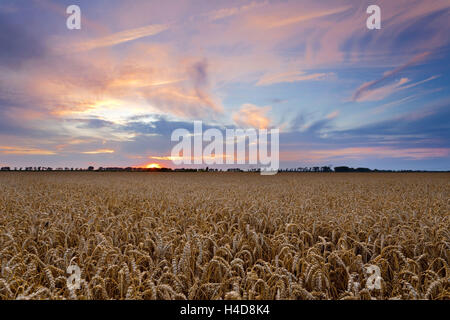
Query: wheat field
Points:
[224, 235]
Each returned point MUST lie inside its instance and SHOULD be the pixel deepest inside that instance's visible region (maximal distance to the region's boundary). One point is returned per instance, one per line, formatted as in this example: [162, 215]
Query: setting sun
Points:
[153, 166]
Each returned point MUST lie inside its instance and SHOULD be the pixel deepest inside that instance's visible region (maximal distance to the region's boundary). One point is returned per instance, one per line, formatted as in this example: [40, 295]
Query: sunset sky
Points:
[111, 93]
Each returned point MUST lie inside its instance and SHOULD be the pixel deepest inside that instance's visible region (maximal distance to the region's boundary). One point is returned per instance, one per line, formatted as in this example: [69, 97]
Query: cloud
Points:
[333, 115]
[191, 98]
[278, 22]
[386, 106]
[25, 151]
[198, 72]
[421, 82]
[117, 38]
[382, 92]
[292, 76]
[18, 43]
[229, 12]
[410, 128]
[183, 102]
[312, 125]
[167, 158]
[99, 151]
[365, 152]
[252, 116]
[92, 123]
[372, 85]
[109, 88]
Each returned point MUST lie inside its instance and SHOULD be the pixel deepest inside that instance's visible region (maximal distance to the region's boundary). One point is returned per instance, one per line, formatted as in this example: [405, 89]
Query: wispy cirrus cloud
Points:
[372, 90]
[420, 82]
[382, 92]
[232, 11]
[292, 76]
[116, 38]
[270, 22]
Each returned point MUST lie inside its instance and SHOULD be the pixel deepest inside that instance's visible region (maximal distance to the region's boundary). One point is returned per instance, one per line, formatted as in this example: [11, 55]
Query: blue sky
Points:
[111, 93]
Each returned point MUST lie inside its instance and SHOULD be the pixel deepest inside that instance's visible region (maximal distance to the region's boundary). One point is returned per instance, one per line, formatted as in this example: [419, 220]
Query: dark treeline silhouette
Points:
[347, 169]
[207, 169]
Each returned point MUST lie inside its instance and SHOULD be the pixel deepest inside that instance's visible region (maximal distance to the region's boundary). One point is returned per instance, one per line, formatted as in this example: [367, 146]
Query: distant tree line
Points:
[207, 169]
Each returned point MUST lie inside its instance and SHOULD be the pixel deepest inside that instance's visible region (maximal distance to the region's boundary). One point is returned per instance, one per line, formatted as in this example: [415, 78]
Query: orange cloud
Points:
[99, 151]
[252, 116]
[140, 83]
[166, 158]
[111, 88]
[25, 151]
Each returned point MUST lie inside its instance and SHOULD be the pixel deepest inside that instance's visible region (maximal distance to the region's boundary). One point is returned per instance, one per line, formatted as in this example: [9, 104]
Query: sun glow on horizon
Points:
[153, 166]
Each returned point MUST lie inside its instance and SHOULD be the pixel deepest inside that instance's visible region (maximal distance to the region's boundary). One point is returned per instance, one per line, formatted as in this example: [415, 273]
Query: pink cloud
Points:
[333, 115]
[273, 21]
[223, 13]
[114, 39]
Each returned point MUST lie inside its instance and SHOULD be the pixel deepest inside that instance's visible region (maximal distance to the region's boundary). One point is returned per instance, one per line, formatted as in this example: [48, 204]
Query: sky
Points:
[111, 93]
